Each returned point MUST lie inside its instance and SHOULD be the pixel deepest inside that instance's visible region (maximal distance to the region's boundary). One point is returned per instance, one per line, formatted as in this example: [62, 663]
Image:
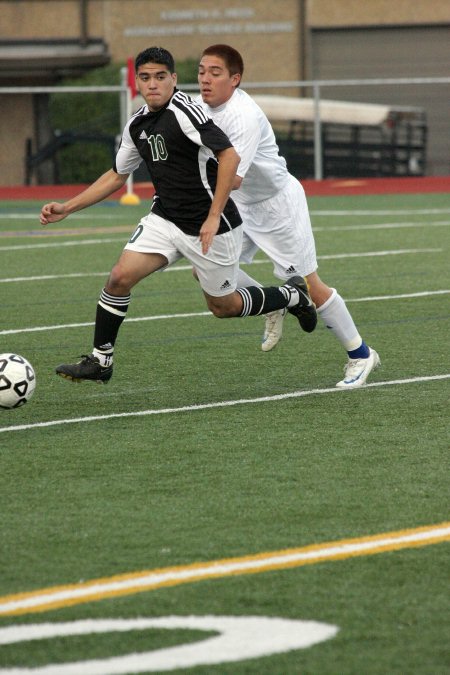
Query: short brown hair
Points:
[233, 60]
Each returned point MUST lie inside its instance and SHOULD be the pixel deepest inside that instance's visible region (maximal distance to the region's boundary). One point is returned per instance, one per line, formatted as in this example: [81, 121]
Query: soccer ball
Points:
[17, 381]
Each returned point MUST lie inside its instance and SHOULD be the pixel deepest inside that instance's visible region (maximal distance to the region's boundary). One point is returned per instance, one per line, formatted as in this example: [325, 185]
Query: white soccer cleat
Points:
[358, 370]
[273, 329]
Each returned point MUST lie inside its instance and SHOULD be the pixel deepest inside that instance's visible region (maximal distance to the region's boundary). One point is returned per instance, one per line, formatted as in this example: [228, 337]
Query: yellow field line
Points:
[127, 584]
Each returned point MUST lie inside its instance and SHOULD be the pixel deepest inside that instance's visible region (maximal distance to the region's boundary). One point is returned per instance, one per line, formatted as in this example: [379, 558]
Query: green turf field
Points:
[235, 453]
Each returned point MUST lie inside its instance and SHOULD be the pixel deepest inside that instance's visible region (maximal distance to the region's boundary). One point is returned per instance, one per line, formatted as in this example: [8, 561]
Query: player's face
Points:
[156, 84]
[216, 83]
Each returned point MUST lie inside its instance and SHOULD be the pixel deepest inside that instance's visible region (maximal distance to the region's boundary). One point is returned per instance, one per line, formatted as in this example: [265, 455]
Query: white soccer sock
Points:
[338, 319]
[105, 358]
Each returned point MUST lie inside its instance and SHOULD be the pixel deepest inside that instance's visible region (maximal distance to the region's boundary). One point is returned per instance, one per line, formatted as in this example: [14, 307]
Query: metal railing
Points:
[315, 85]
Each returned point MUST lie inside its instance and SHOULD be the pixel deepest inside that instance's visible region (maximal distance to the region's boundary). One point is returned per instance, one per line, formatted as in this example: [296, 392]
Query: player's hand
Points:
[208, 231]
[52, 213]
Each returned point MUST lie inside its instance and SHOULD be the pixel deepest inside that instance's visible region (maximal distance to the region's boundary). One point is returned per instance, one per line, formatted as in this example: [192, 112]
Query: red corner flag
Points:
[131, 79]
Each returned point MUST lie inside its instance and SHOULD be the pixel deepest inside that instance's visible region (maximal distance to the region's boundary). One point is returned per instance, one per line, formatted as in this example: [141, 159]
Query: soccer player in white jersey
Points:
[193, 166]
[273, 207]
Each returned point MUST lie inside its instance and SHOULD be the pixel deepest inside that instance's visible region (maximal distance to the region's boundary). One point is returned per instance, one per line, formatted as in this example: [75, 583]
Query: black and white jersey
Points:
[178, 143]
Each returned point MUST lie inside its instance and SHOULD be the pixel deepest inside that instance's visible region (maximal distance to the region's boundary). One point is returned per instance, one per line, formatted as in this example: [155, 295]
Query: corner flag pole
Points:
[128, 79]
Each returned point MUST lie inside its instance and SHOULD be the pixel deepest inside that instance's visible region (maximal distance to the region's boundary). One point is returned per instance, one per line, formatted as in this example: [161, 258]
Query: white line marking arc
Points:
[239, 638]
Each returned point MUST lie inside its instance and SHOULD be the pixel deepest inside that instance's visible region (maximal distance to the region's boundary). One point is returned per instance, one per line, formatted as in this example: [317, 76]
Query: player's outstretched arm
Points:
[104, 186]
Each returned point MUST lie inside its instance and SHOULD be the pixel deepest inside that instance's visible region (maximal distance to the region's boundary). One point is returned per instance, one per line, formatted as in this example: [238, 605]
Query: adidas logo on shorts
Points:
[226, 284]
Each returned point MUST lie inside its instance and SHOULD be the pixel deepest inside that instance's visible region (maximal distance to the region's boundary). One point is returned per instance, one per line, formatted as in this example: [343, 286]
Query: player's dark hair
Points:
[231, 57]
[155, 55]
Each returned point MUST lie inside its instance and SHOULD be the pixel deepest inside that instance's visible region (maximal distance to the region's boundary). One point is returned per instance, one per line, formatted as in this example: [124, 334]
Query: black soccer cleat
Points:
[305, 311]
[88, 368]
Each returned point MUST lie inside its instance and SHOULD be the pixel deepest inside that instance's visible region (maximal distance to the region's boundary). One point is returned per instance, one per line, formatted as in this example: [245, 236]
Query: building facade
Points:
[290, 40]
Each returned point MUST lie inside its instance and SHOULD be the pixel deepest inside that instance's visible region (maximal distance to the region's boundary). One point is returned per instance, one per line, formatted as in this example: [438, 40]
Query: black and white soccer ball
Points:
[17, 381]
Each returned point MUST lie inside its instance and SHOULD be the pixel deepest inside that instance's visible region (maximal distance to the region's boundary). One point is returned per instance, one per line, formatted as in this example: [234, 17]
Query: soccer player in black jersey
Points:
[193, 165]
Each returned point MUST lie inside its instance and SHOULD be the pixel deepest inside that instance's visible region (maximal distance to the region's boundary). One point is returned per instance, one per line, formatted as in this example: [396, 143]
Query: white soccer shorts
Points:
[217, 270]
[281, 227]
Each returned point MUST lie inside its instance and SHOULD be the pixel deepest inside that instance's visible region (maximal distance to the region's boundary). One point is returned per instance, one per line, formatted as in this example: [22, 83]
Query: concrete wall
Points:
[340, 13]
[32, 19]
[269, 40]
[274, 37]
[16, 125]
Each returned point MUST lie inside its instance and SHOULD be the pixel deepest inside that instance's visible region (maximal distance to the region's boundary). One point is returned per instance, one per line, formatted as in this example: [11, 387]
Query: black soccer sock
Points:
[263, 300]
[111, 311]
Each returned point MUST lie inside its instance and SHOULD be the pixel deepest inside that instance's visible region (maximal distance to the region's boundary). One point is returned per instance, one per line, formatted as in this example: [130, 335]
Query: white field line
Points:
[218, 404]
[374, 254]
[183, 268]
[127, 584]
[188, 315]
[44, 234]
[341, 228]
[17, 215]
[90, 323]
[380, 226]
[79, 242]
[399, 296]
[378, 212]
[50, 277]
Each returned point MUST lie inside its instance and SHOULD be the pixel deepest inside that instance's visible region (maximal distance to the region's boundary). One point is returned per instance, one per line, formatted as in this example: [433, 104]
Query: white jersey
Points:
[263, 170]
